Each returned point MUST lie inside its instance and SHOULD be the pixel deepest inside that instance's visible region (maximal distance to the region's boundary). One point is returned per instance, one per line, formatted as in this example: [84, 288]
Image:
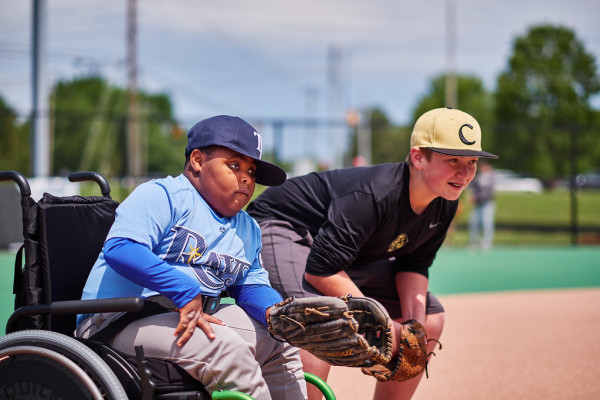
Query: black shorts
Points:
[286, 249]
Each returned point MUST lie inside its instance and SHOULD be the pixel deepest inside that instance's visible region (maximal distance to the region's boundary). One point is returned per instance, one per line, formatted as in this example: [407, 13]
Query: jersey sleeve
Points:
[144, 216]
[256, 299]
[351, 219]
[138, 264]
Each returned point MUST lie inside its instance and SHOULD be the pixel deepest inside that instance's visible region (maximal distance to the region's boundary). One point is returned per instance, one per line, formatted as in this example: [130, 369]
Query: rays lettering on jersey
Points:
[213, 270]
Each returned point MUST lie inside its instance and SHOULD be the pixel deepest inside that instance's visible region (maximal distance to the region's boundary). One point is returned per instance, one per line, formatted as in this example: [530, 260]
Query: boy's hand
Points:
[190, 317]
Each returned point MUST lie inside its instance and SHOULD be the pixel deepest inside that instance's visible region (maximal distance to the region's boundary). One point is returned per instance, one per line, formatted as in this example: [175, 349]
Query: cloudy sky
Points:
[266, 60]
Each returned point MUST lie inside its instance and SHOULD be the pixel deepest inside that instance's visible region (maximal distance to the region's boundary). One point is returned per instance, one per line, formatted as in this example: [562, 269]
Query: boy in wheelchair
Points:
[180, 242]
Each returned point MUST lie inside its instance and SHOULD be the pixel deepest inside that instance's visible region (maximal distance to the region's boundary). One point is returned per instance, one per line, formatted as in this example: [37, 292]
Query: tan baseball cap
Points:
[449, 131]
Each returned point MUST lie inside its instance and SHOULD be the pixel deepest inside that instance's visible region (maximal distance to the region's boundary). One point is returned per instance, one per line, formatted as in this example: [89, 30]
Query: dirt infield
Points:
[509, 345]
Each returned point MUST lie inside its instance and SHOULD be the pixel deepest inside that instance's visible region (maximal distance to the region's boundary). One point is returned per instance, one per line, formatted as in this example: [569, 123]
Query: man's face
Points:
[226, 179]
[448, 176]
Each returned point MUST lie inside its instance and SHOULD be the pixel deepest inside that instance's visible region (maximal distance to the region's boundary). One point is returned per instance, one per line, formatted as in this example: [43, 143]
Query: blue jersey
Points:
[201, 252]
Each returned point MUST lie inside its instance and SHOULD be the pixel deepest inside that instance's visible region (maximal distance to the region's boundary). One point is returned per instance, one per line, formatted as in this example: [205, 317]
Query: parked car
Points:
[586, 180]
[589, 180]
[510, 181]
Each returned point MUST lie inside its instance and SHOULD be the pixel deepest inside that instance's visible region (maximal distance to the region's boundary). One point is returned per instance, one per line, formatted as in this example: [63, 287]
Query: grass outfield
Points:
[456, 270]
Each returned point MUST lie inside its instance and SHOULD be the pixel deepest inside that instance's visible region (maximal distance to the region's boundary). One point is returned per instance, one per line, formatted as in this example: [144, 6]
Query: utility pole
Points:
[574, 130]
[364, 137]
[311, 114]
[40, 137]
[335, 88]
[451, 84]
[134, 161]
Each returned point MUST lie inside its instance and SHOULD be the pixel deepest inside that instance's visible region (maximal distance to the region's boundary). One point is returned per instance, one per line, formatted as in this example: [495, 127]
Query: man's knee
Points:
[434, 325]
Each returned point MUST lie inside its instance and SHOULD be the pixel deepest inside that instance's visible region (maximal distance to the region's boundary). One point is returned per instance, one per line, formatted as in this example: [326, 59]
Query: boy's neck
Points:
[419, 193]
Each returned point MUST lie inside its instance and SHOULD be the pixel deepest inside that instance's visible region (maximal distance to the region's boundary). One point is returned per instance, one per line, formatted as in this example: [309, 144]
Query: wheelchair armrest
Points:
[76, 307]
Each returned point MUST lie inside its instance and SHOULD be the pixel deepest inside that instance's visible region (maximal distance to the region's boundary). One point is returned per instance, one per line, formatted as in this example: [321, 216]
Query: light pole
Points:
[451, 84]
[40, 138]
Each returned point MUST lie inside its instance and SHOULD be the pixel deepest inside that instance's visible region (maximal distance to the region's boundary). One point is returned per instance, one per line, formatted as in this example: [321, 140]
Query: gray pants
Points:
[242, 357]
[285, 250]
[481, 225]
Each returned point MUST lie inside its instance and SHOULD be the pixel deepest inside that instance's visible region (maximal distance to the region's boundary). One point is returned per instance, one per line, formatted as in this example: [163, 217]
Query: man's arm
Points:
[412, 292]
[336, 285]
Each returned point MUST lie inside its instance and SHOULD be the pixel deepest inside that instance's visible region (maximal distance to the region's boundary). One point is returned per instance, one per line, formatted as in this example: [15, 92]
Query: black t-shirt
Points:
[359, 215]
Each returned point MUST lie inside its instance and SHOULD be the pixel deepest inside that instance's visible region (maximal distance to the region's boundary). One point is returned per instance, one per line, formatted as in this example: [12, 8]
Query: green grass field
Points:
[548, 212]
[550, 208]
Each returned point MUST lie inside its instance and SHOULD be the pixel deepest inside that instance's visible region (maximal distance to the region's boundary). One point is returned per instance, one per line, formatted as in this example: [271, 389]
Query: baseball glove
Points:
[347, 331]
[412, 357]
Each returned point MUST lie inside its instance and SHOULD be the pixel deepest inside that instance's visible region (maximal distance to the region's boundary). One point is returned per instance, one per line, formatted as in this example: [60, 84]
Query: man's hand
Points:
[190, 317]
[411, 359]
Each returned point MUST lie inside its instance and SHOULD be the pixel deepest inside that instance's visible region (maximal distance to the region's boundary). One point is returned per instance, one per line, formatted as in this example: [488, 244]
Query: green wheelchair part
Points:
[310, 378]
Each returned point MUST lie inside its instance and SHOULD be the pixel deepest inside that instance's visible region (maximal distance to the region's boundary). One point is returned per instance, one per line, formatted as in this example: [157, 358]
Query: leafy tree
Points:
[14, 141]
[388, 143]
[90, 129]
[543, 104]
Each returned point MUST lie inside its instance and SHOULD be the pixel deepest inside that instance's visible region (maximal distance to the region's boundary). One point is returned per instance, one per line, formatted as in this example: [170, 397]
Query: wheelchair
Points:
[39, 356]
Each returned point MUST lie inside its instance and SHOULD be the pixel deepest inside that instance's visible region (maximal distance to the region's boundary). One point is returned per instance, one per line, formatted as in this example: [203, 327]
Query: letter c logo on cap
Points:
[462, 137]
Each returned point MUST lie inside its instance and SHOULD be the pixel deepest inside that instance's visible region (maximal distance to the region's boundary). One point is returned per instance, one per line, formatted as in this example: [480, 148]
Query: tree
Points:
[89, 122]
[543, 108]
[14, 141]
[388, 143]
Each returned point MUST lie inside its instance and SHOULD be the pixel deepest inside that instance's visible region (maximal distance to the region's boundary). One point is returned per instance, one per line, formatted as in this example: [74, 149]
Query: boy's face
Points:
[448, 176]
[225, 179]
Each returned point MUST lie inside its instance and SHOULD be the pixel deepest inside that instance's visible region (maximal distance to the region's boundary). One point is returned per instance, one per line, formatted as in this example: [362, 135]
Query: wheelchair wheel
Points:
[37, 364]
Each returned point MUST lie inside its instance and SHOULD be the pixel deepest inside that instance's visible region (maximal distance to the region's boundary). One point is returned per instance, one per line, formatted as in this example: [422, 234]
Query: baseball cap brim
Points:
[268, 174]
[463, 153]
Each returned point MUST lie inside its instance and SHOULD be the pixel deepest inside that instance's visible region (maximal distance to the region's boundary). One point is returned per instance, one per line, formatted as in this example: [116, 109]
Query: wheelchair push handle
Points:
[19, 179]
[25, 189]
[92, 176]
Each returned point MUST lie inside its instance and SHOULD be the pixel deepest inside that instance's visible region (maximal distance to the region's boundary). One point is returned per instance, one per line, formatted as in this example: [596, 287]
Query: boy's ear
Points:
[197, 158]
[418, 157]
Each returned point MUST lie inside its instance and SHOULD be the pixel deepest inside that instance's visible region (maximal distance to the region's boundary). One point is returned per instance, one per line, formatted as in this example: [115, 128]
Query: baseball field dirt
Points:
[539, 344]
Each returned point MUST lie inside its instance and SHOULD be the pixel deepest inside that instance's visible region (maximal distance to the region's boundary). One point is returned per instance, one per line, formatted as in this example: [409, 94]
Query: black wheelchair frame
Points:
[39, 357]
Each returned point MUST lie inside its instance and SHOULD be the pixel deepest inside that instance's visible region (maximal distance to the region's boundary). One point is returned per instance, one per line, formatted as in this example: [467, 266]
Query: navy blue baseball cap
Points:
[237, 135]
